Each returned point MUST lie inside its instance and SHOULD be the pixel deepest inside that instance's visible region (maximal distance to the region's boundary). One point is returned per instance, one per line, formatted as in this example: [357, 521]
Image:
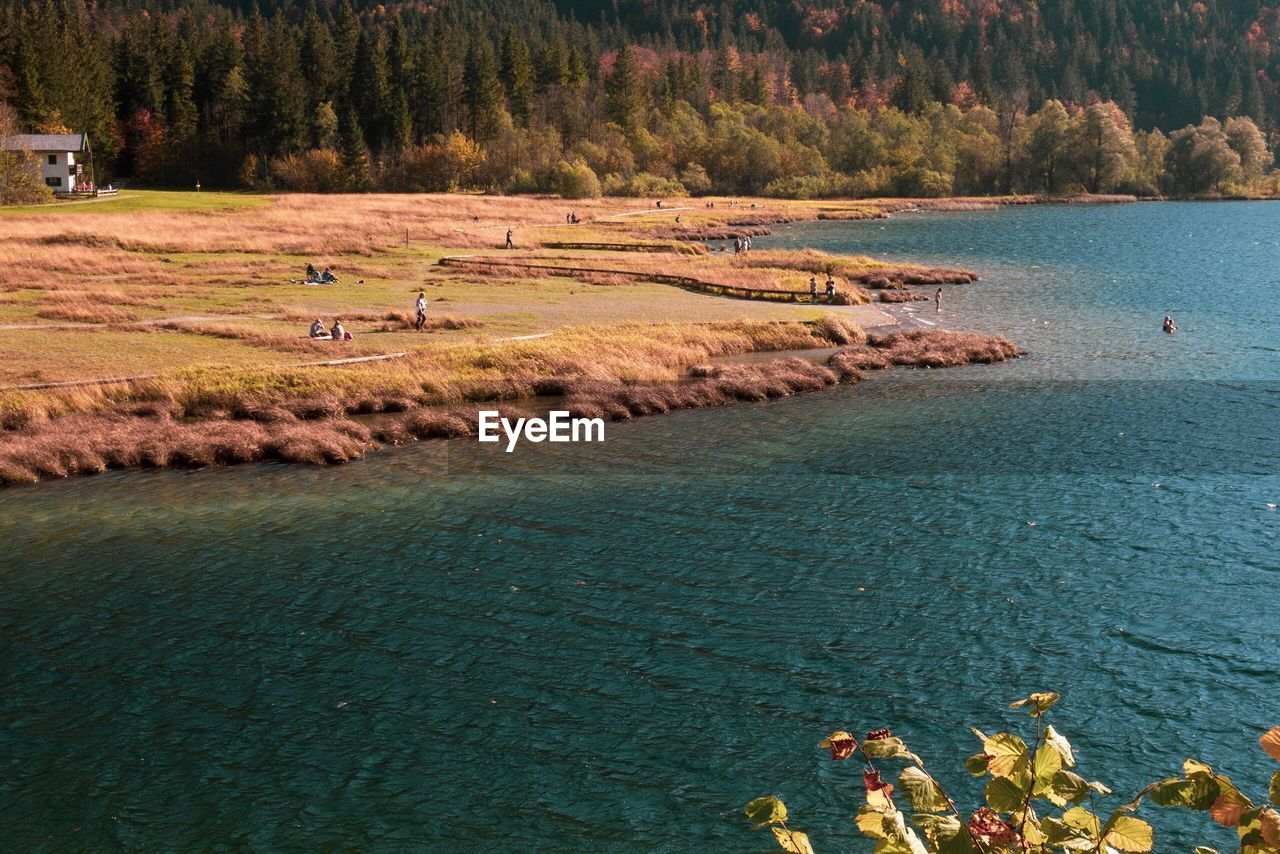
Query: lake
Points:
[614, 646]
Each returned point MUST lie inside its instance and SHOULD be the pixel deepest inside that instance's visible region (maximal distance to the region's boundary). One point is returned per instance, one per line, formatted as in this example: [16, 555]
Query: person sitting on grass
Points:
[328, 277]
[337, 333]
[312, 274]
[317, 329]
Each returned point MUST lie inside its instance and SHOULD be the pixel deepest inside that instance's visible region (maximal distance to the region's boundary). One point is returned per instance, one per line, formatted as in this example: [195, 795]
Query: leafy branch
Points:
[1019, 778]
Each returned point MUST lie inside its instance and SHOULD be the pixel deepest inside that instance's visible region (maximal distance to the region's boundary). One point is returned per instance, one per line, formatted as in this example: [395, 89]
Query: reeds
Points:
[922, 348]
[314, 427]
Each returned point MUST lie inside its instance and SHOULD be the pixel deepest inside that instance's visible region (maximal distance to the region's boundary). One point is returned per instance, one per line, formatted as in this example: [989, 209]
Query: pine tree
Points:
[369, 94]
[624, 91]
[482, 93]
[356, 167]
[517, 77]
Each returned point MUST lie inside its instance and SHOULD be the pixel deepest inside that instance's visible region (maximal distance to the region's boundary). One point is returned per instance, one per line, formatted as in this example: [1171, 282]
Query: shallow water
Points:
[613, 647]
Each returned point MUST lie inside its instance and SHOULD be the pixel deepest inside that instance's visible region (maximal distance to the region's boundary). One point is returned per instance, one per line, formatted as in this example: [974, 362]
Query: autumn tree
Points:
[1248, 142]
[1051, 144]
[1200, 158]
[1106, 150]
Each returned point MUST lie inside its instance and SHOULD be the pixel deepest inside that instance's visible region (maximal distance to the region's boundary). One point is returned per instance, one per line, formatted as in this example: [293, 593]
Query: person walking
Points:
[510, 244]
[420, 314]
[937, 300]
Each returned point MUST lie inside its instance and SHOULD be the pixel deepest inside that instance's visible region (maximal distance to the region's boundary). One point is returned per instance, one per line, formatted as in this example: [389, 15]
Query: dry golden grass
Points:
[205, 294]
[316, 428]
[922, 348]
[855, 268]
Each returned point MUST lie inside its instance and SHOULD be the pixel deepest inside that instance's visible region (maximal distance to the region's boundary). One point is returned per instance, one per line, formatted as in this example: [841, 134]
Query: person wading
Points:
[937, 300]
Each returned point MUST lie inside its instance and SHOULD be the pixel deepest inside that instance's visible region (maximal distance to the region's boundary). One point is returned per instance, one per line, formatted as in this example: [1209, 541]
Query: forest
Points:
[802, 98]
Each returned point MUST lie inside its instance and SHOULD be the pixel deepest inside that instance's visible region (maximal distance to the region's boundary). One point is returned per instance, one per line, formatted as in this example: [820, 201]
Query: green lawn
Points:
[147, 200]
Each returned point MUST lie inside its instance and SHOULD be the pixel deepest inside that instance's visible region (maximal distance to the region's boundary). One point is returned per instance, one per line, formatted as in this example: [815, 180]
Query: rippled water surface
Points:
[613, 647]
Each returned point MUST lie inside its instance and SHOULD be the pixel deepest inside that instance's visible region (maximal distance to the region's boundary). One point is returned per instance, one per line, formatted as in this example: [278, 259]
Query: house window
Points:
[53, 160]
[53, 182]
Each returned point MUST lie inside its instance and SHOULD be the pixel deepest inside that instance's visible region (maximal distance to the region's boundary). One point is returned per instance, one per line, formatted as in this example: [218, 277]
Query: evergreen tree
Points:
[482, 93]
[369, 92]
[356, 167]
[624, 91]
[517, 77]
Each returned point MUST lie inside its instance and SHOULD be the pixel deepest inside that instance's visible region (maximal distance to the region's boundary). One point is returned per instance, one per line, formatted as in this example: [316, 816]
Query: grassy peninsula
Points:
[171, 328]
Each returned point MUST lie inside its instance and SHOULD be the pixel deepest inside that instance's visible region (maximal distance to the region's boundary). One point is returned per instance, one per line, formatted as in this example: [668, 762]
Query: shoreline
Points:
[609, 315]
[94, 444]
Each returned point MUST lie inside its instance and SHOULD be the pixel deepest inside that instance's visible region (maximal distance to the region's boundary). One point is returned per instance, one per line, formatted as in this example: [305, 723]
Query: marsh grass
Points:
[205, 285]
[210, 421]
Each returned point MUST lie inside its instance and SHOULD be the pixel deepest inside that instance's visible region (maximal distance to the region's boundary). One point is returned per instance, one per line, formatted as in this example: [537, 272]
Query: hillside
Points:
[225, 92]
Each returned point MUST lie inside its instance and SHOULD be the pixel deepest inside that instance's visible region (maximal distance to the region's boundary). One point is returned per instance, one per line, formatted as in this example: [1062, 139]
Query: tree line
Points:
[783, 99]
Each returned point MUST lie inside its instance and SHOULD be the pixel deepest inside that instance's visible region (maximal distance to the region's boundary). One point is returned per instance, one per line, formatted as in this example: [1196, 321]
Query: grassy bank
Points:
[632, 376]
[178, 316]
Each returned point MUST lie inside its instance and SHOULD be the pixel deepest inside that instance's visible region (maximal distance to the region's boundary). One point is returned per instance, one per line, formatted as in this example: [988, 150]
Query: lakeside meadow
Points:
[163, 328]
[622, 643]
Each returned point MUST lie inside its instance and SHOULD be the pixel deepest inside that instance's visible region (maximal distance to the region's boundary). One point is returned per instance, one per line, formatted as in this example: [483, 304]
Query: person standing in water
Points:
[1169, 326]
[420, 315]
[937, 300]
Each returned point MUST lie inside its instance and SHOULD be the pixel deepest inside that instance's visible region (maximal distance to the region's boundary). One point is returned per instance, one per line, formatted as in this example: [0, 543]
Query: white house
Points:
[65, 158]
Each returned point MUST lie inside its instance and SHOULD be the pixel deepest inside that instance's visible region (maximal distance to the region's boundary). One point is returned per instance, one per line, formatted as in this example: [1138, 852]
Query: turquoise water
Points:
[613, 647]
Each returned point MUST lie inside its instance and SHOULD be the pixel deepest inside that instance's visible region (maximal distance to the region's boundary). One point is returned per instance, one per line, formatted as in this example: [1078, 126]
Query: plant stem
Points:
[963, 828]
[1031, 787]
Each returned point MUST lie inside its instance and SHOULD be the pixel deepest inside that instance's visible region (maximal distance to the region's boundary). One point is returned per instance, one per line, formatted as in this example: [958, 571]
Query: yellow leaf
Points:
[881, 799]
[793, 841]
[1054, 739]
[1130, 834]
[1008, 754]
[1032, 833]
[1081, 819]
[838, 735]
[872, 823]
[1191, 766]
[1270, 742]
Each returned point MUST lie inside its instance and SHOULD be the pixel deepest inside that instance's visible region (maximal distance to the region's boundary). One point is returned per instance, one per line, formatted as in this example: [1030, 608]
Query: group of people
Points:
[1169, 326]
[316, 277]
[572, 218]
[337, 333]
[741, 244]
[831, 288]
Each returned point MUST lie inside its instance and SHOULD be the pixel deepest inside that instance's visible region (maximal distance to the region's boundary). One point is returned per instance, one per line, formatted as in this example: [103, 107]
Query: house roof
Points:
[44, 142]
